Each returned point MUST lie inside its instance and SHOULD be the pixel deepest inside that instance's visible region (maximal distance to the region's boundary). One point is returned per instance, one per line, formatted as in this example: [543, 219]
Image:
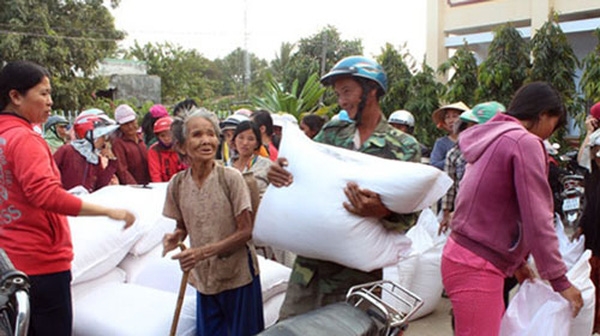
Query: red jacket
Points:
[163, 163]
[75, 170]
[34, 231]
[132, 159]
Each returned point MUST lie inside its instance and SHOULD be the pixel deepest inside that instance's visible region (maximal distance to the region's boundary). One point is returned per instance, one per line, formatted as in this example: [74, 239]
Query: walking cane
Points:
[182, 287]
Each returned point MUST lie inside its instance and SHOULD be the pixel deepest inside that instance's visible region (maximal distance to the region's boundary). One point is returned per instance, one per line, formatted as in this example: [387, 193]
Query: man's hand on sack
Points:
[278, 176]
[364, 202]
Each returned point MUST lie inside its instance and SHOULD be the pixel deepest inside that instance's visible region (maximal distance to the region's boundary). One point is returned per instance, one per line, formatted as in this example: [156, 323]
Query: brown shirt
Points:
[209, 216]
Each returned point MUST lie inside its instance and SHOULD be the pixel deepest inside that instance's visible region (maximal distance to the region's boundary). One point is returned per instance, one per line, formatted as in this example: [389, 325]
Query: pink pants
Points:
[475, 288]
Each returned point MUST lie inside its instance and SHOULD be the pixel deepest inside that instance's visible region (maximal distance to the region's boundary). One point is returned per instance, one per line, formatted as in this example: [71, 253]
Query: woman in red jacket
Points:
[163, 160]
[33, 227]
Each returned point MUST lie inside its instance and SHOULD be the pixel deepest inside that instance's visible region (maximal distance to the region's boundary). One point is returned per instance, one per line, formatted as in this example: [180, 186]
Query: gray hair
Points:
[179, 125]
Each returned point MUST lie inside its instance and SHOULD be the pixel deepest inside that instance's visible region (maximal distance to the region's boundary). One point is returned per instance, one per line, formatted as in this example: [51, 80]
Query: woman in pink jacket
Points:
[504, 212]
[33, 205]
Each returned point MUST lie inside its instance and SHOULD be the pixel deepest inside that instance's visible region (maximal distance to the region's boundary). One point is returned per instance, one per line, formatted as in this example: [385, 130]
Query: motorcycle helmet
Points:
[92, 127]
[358, 66]
[163, 124]
[402, 117]
[56, 120]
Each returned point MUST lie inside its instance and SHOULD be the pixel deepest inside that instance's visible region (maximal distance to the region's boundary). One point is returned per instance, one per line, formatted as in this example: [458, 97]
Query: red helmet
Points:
[97, 124]
[162, 124]
[85, 123]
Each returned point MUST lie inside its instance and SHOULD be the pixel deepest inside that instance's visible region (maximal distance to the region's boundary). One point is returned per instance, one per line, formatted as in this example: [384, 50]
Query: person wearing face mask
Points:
[163, 160]
[80, 161]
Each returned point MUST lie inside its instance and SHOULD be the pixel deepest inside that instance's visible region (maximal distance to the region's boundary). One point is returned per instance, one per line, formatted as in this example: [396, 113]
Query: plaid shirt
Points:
[455, 168]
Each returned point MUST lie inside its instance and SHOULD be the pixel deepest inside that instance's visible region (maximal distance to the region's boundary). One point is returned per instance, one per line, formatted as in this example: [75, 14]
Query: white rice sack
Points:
[145, 203]
[99, 245]
[131, 310]
[273, 277]
[536, 310]
[308, 218]
[271, 309]
[79, 290]
[133, 265]
[571, 251]
[420, 272]
[163, 274]
[579, 275]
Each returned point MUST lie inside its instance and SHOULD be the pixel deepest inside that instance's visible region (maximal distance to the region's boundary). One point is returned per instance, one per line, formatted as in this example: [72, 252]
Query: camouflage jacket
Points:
[385, 142]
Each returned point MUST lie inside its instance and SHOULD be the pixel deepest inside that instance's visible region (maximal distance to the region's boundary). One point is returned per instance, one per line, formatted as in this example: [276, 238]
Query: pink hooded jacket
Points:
[504, 209]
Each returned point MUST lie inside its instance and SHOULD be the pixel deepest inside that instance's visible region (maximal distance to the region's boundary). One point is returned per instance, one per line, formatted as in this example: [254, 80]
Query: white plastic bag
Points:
[579, 275]
[571, 251]
[308, 218]
[536, 310]
[420, 272]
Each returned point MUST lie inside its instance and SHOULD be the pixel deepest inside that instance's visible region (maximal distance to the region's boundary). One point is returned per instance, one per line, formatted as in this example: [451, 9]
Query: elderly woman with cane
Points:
[212, 205]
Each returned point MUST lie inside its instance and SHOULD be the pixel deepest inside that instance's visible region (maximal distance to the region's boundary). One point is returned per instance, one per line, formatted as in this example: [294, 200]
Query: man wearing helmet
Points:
[80, 162]
[55, 132]
[358, 82]
[405, 121]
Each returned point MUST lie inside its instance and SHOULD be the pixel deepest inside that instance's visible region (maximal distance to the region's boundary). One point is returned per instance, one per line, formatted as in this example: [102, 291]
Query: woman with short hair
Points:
[212, 205]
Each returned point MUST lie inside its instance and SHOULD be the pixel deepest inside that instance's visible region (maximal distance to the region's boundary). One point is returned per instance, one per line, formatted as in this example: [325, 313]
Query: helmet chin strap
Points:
[363, 102]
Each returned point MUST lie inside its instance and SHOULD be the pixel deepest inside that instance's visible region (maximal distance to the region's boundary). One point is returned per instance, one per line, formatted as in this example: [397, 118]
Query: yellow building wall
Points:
[444, 20]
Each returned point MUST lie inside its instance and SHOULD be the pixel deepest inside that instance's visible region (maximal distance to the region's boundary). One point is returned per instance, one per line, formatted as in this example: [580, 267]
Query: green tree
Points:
[424, 93]
[399, 77]
[67, 37]
[183, 73]
[463, 83]
[232, 74]
[505, 69]
[295, 102]
[316, 55]
[282, 60]
[554, 61]
[590, 79]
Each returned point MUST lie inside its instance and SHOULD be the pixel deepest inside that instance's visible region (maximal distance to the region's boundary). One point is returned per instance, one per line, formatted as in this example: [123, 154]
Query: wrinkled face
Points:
[130, 128]
[36, 104]
[450, 118]
[246, 143]
[166, 137]
[349, 94]
[201, 140]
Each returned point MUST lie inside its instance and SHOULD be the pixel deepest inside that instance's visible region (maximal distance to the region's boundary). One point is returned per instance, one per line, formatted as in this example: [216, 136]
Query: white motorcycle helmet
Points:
[402, 117]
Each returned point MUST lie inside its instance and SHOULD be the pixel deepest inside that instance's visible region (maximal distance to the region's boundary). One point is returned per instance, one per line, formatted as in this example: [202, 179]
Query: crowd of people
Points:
[501, 214]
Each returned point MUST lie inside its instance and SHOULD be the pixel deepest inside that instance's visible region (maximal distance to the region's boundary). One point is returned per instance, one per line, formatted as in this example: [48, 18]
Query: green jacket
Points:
[53, 140]
[385, 142]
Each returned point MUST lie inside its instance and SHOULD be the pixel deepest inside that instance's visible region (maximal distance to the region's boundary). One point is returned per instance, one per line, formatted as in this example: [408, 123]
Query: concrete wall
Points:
[142, 87]
[449, 25]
